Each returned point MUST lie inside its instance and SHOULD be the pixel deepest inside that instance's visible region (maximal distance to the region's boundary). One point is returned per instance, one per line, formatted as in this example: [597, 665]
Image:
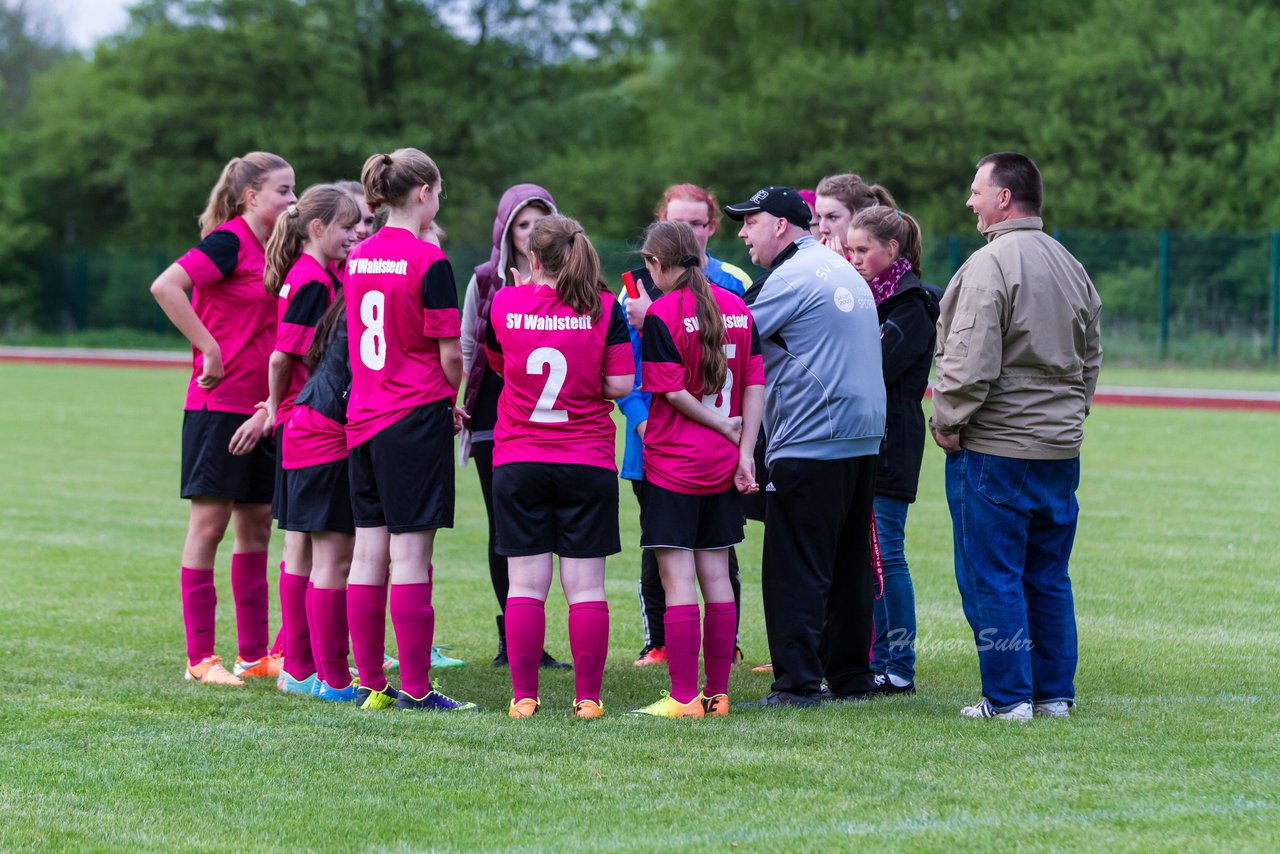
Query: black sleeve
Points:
[491, 337]
[308, 304]
[755, 341]
[906, 334]
[617, 333]
[656, 345]
[439, 290]
[223, 249]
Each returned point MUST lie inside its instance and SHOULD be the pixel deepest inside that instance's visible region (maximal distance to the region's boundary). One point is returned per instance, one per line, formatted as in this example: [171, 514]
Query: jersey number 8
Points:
[373, 341]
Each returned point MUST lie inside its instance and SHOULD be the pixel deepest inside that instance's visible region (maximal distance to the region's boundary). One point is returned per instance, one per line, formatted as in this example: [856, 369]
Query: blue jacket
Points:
[824, 387]
[635, 406]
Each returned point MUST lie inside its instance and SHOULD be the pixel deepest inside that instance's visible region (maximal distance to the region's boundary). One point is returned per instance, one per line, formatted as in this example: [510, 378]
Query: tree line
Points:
[1136, 112]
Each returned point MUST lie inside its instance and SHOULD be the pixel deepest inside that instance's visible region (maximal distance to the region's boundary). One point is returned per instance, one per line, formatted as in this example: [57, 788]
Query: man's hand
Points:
[949, 442]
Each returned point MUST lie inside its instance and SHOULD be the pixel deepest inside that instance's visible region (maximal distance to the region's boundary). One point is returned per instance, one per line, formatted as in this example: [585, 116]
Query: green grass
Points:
[103, 746]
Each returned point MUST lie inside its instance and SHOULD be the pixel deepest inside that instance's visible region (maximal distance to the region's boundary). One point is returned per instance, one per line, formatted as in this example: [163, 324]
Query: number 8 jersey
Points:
[553, 362]
[401, 299]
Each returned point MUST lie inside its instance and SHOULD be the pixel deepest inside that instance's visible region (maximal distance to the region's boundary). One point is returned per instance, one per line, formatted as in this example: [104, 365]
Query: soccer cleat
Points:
[439, 659]
[434, 701]
[1052, 709]
[267, 666]
[335, 695]
[388, 664]
[1020, 713]
[884, 687]
[372, 701]
[210, 671]
[738, 655]
[549, 662]
[667, 707]
[288, 685]
[526, 708]
[763, 668]
[652, 655]
[715, 706]
[588, 709]
[779, 699]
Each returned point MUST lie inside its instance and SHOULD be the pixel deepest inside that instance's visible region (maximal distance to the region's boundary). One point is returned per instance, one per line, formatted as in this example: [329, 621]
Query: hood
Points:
[509, 206]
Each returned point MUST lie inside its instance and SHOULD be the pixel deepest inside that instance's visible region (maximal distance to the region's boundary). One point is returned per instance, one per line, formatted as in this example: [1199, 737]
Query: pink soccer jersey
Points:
[312, 439]
[553, 362]
[679, 454]
[306, 294]
[231, 302]
[401, 299]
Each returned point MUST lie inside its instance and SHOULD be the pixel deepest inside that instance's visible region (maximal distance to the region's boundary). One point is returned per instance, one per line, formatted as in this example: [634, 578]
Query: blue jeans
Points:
[1014, 522]
[895, 610]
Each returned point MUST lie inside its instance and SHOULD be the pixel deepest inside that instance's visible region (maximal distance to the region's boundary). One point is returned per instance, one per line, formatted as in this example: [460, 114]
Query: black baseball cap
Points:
[782, 202]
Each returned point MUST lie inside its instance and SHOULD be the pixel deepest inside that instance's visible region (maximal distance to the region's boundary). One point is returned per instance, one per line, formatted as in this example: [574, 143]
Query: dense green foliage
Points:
[1138, 116]
[106, 748]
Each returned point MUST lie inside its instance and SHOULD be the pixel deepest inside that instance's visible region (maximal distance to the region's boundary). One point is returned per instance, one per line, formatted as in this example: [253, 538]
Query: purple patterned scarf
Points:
[885, 283]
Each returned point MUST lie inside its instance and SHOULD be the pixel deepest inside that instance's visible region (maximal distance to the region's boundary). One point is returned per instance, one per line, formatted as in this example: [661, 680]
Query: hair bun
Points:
[386, 160]
[292, 211]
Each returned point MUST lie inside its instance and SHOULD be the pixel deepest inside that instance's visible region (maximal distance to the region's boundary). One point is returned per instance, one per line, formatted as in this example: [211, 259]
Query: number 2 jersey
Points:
[680, 454]
[553, 362]
[401, 299]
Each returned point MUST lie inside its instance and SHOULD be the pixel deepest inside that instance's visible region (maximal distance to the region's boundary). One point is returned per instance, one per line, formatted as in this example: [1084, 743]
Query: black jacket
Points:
[907, 335]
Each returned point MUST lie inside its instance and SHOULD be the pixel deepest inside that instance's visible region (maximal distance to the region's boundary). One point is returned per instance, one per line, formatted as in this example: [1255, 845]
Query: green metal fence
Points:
[1211, 296]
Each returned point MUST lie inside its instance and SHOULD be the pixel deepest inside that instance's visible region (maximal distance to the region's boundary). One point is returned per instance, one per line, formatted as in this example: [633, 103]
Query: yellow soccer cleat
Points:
[667, 707]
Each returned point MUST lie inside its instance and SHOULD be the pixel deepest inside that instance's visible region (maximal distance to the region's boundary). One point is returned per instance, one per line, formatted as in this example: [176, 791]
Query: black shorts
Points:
[280, 497]
[569, 510]
[674, 520]
[209, 470]
[319, 499]
[403, 477]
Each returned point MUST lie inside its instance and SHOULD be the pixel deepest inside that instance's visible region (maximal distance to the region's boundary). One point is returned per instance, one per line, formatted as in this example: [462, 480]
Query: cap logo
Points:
[759, 197]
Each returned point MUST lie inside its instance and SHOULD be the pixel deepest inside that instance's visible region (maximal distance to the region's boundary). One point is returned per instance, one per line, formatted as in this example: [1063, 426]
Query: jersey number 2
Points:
[544, 411]
[373, 341]
[719, 402]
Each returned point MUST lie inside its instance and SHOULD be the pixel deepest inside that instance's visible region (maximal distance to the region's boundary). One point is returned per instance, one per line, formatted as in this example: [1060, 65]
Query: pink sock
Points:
[526, 624]
[329, 631]
[277, 646]
[199, 609]
[683, 640]
[311, 625]
[367, 619]
[414, 621]
[249, 589]
[589, 643]
[298, 661]
[719, 625]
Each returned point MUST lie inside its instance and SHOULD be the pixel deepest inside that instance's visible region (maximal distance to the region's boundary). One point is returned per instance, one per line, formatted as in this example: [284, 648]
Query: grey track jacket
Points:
[824, 388]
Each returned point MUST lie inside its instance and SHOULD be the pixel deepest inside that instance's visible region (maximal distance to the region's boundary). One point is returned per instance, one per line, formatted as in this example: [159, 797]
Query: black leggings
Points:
[482, 455]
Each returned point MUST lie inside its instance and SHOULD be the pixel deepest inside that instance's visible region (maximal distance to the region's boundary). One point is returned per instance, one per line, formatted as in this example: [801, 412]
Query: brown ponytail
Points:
[674, 246]
[328, 203]
[854, 193]
[226, 200]
[326, 331]
[563, 251]
[888, 223]
[388, 179]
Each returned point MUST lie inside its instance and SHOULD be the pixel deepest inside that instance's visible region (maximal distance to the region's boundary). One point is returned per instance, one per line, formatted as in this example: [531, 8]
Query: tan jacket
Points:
[1018, 347]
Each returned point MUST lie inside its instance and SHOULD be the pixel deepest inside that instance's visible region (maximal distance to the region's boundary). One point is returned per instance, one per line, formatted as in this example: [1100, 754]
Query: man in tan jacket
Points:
[1017, 364]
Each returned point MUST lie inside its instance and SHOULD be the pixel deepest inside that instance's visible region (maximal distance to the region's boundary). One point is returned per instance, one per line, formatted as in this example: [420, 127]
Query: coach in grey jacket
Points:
[824, 418]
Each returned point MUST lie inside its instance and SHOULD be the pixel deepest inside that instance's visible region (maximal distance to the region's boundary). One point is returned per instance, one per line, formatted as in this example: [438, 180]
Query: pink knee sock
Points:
[589, 643]
[311, 625]
[249, 589]
[719, 626]
[526, 625]
[414, 622]
[328, 615]
[199, 610]
[277, 645]
[298, 661]
[367, 619]
[683, 640]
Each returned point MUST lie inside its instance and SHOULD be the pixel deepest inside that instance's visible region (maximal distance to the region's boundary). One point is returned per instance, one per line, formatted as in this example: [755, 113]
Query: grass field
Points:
[1173, 745]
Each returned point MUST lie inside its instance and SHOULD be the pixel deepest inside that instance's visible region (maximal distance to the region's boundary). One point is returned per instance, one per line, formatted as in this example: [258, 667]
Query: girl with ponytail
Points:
[703, 368]
[559, 341]
[226, 467]
[309, 238]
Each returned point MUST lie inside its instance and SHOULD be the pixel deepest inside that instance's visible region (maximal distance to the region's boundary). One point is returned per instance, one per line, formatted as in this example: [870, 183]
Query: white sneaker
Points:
[1053, 709]
[982, 709]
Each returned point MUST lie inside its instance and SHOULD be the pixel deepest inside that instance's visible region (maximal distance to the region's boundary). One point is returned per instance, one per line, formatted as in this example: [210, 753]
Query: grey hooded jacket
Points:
[824, 388]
